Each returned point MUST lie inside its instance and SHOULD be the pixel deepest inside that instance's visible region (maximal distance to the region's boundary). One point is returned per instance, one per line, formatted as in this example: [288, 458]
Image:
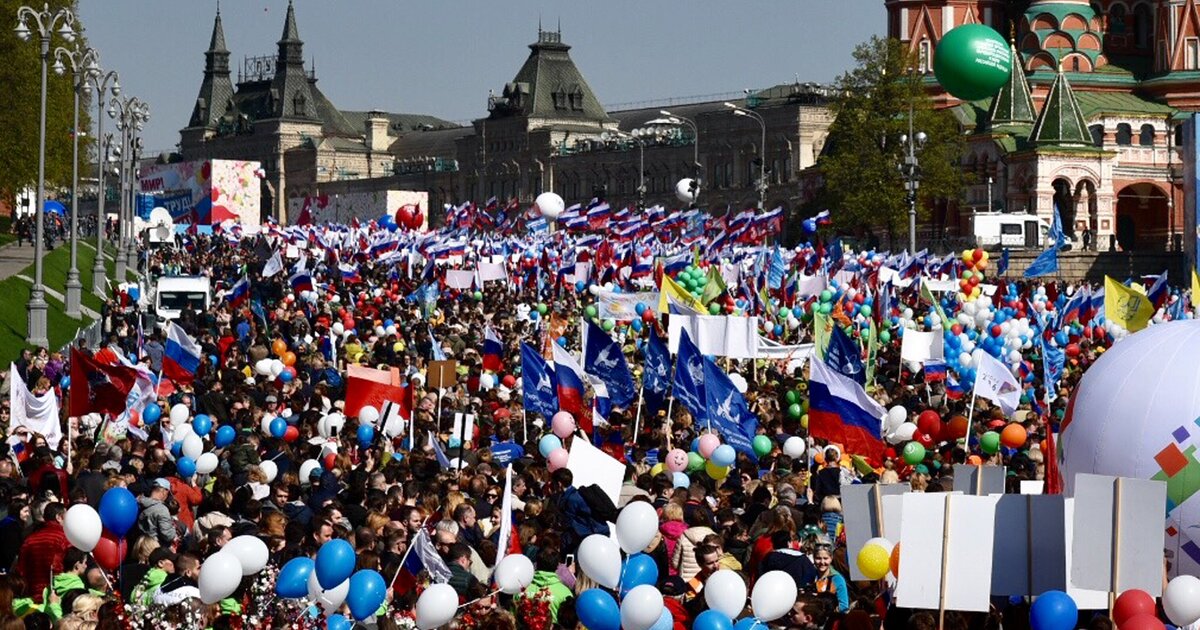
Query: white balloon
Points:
[207, 463]
[265, 424]
[550, 205]
[895, 417]
[600, 559]
[276, 367]
[904, 432]
[329, 599]
[269, 468]
[220, 576]
[487, 381]
[368, 415]
[794, 447]
[251, 551]
[436, 606]
[725, 592]
[263, 367]
[331, 425]
[193, 446]
[636, 526]
[338, 328]
[181, 432]
[739, 382]
[774, 595]
[83, 527]
[514, 573]
[306, 469]
[1181, 600]
[379, 331]
[641, 607]
[179, 414]
[687, 189]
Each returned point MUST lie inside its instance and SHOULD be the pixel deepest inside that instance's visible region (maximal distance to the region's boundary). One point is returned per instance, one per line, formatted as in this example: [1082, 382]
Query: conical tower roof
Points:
[1061, 122]
[1013, 105]
[216, 91]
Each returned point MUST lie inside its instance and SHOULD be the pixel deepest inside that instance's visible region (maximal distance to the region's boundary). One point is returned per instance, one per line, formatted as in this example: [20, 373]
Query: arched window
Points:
[1146, 136]
[1097, 134]
[1124, 135]
[1142, 26]
[1116, 19]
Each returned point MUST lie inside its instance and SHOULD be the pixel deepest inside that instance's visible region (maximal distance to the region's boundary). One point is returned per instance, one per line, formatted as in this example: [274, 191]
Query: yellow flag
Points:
[822, 329]
[1126, 307]
[1195, 289]
[679, 295]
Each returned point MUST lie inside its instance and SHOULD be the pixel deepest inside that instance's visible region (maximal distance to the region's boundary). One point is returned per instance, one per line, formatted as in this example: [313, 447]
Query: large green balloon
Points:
[794, 410]
[792, 396]
[972, 62]
[762, 445]
[989, 442]
[914, 453]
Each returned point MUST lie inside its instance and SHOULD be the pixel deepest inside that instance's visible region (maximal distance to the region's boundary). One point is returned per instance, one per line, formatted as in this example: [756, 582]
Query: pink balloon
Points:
[708, 443]
[557, 459]
[677, 460]
[563, 424]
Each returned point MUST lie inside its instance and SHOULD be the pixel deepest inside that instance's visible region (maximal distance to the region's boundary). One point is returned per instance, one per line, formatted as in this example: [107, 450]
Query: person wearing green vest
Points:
[546, 582]
[162, 565]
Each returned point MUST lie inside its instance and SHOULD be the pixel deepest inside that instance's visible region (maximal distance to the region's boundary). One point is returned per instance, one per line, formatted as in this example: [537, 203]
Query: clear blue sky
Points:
[441, 57]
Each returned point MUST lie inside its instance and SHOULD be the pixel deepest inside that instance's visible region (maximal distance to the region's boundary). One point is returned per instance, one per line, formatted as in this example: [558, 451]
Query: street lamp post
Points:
[910, 169]
[82, 62]
[130, 114]
[638, 136]
[46, 23]
[101, 82]
[675, 119]
[761, 186]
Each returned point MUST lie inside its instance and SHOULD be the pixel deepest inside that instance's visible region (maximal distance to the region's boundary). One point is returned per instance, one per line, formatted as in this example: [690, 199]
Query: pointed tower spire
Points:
[216, 91]
[291, 48]
[1061, 122]
[217, 43]
[1013, 104]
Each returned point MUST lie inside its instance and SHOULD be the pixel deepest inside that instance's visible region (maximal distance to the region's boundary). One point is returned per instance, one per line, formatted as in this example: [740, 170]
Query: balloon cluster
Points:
[975, 261]
[328, 581]
[797, 409]
[878, 557]
[562, 426]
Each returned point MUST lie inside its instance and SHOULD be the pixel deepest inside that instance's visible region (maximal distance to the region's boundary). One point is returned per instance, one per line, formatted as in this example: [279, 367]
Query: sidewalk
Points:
[14, 258]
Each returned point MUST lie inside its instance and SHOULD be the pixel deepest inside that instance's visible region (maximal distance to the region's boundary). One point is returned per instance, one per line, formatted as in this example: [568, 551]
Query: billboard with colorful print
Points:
[206, 192]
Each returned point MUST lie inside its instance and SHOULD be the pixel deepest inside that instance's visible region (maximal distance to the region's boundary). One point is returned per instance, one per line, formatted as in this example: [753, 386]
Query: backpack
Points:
[599, 503]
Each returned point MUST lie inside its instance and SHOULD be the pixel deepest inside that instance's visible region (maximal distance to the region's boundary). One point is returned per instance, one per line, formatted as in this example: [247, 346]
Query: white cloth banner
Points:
[622, 306]
[491, 271]
[460, 278]
[811, 285]
[951, 286]
[887, 274]
[717, 335]
[37, 413]
[768, 349]
[919, 347]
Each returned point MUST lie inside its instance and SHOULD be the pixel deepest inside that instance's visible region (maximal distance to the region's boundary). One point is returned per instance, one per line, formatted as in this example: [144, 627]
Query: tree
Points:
[20, 101]
[863, 185]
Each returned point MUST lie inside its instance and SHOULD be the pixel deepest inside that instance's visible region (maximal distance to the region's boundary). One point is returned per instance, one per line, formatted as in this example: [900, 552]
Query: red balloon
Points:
[1133, 603]
[291, 434]
[1073, 350]
[1142, 622]
[925, 439]
[648, 315]
[328, 461]
[997, 330]
[929, 422]
[415, 221]
[403, 216]
[509, 380]
[977, 255]
[109, 551]
[956, 329]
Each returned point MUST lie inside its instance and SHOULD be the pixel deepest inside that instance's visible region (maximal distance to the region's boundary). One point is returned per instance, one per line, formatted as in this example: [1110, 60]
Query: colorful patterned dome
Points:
[1062, 31]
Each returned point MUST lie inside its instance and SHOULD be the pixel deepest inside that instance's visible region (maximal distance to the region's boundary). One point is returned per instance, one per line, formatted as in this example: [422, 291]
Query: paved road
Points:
[14, 258]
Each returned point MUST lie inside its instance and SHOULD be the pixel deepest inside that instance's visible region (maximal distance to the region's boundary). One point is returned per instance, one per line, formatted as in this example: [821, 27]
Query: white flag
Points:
[505, 518]
[920, 346]
[273, 266]
[995, 382]
[37, 413]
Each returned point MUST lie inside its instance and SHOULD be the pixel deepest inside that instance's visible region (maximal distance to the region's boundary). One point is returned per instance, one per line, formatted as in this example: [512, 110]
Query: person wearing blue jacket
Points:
[577, 514]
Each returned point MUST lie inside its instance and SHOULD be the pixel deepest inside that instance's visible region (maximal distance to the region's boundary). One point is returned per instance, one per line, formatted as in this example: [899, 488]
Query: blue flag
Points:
[688, 387]
[443, 461]
[656, 375]
[727, 409]
[1053, 359]
[777, 269]
[844, 355]
[435, 347]
[1045, 263]
[602, 358]
[538, 383]
[1003, 262]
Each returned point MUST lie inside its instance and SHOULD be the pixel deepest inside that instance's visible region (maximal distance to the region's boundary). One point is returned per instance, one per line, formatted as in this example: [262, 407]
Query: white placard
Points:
[590, 465]
[460, 278]
[1028, 557]
[864, 515]
[1139, 515]
[967, 551]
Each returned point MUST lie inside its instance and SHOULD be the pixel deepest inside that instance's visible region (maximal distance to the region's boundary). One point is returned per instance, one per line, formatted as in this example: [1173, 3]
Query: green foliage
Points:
[863, 183]
[20, 101]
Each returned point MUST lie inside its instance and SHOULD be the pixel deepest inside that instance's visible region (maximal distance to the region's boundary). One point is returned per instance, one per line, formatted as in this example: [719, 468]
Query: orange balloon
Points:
[974, 460]
[288, 358]
[1013, 436]
[1042, 446]
[278, 347]
[894, 561]
[958, 428]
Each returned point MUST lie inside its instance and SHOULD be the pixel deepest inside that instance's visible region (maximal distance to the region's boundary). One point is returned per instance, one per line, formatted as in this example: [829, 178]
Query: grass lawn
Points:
[59, 261]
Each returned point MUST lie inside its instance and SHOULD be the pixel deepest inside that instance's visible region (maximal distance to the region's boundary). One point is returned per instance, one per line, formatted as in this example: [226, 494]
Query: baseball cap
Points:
[272, 398]
[162, 483]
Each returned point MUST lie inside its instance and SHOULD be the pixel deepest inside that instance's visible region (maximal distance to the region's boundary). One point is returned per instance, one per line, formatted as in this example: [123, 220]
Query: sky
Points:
[440, 57]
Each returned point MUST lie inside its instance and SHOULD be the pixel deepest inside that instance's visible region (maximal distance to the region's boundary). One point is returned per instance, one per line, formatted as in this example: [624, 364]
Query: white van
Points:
[1010, 230]
[173, 294]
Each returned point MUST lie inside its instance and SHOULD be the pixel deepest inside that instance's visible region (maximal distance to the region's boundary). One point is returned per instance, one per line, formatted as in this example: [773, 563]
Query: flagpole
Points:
[667, 422]
[637, 418]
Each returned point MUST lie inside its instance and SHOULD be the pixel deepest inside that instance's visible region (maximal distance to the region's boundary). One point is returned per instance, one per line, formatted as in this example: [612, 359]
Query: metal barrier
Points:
[91, 337]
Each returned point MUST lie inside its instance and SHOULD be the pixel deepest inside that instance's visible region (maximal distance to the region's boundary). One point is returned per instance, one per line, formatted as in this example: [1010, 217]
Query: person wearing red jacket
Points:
[41, 554]
[188, 496]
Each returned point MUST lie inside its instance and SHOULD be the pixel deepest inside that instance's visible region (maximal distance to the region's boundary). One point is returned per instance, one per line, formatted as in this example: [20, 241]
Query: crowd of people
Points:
[432, 502]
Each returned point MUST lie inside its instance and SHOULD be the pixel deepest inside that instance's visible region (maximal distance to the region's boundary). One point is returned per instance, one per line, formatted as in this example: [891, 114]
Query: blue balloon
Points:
[724, 455]
[177, 449]
[186, 467]
[366, 594]
[695, 448]
[387, 323]
[202, 424]
[278, 427]
[597, 610]
[639, 308]
[339, 622]
[292, 581]
[225, 436]
[712, 620]
[680, 480]
[533, 316]
[580, 285]
[636, 325]
[548, 444]
[665, 621]
[562, 341]
[1053, 610]
[454, 441]
[748, 623]
[638, 569]
[151, 413]
[335, 562]
[286, 376]
[65, 383]
[366, 435]
[119, 510]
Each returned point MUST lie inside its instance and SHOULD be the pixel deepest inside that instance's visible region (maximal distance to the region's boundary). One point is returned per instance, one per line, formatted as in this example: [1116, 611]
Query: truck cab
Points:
[1015, 231]
[174, 294]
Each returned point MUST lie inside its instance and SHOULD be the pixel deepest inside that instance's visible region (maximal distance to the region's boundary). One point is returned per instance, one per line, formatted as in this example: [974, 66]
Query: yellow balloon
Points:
[716, 472]
[804, 421]
[985, 255]
[968, 255]
[874, 562]
[656, 469]
[981, 264]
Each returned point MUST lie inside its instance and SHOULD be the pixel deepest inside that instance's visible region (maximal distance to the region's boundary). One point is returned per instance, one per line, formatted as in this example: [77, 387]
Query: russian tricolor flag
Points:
[935, 371]
[954, 391]
[301, 282]
[840, 410]
[181, 357]
[238, 294]
[492, 350]
[570, 387]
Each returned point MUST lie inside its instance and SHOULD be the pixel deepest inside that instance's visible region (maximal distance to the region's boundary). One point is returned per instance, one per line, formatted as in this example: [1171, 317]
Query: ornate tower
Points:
[922, 23]
[216, 90]
[1066, 32]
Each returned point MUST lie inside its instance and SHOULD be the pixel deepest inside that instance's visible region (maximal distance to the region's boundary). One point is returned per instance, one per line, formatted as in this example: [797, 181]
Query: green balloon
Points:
[865, 310]
[608, 325]
[972, 62]
[794, 410]
[990, 442]
[714, 308]
[762, 445]
[826, 308]
[914, 453]
[478, 295]
[792, 397]
[590, 311]
[826, 295]
[885, 336]
[695, 461]
[542, 308]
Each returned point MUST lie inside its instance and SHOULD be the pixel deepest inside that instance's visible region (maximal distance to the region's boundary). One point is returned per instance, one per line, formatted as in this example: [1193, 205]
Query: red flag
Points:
[371, 387]
[99, 388]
